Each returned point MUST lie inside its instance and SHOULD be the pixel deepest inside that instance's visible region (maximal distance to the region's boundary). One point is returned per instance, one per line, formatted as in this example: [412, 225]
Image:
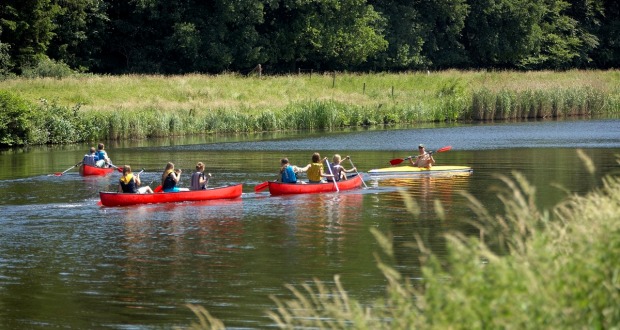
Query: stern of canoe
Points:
[87, 170]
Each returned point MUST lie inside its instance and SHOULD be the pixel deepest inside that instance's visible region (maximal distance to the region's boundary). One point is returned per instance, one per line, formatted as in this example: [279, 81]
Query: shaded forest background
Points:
[198, 36]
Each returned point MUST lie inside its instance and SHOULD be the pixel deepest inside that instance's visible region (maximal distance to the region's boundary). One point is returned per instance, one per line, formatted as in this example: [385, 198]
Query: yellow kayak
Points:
[410, 170]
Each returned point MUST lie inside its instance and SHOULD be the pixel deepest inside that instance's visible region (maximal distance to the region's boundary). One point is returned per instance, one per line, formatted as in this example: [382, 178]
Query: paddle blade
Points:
[158, 189]
[446, 148]
[259, 187]
[396, 161]
[58, 173]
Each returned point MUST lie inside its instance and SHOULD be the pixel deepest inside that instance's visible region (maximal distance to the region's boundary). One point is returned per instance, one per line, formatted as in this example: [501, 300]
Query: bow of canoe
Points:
[279, 188]
[124, 199]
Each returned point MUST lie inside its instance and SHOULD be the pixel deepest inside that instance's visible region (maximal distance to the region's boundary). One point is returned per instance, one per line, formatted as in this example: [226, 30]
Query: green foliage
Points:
[27, 27]
[443, 23]
[172, 37]
[5, 60]
[47, 68]
[115, 107]
[564, 44]
[559, 102]
[62, 124]
[501, 33]
[404, 36]
[15, 120]
[79, 33]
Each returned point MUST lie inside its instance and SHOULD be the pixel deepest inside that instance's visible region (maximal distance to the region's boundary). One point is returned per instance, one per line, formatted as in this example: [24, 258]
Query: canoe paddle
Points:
[332, 173]
[356, 172]
[67, 170]
[116, 167]
[400, 160]
[259, 187]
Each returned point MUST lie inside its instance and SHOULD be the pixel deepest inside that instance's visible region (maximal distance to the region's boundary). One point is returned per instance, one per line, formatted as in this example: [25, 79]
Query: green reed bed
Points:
[560, 102]
[527, 269]
[139, 106]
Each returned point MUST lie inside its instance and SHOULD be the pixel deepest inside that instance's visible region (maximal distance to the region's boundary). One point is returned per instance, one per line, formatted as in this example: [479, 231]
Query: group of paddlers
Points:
[130, 183]
[97, 157]
[315, 171]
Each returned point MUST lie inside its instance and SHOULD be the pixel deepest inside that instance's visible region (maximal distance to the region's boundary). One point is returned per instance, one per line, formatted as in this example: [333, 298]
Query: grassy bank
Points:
[528, 269]
[147, 106]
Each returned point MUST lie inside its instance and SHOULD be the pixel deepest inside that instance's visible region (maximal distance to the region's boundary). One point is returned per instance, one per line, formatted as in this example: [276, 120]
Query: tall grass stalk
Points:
[529, 269]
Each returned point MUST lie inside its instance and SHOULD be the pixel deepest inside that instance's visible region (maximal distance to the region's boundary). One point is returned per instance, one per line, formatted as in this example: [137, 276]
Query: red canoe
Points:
[123, 199]
[86, 170]
[279, 188]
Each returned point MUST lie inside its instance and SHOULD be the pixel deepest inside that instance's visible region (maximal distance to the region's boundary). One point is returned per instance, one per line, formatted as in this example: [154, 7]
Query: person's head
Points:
[336, 159]
[283, 164]
[421, 148]
[200, 167]
[169, 166]
[316, 157]
[100, 146]
[126, 169]
[92, 150]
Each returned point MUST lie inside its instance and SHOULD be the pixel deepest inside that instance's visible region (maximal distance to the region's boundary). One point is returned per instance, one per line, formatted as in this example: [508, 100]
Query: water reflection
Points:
[428, 227]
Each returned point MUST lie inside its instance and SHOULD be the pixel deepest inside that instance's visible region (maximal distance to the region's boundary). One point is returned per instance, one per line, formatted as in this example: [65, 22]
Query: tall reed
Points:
[554, 103]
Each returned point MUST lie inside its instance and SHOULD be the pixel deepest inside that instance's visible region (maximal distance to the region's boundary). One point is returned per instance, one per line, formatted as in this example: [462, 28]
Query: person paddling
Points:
[90, 158]
[338, 170]
[423, 159]
[102, 156]
[315, 170]
[288, 172]
[200, 180]
[129, 183]
[170, 178]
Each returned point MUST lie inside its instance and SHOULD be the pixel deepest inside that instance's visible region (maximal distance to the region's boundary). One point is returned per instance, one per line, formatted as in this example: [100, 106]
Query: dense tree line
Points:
[212, 36]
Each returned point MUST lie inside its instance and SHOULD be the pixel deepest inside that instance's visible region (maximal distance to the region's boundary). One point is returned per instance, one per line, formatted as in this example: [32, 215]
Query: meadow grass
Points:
[527, 269]
[142, 106]
[232, 91]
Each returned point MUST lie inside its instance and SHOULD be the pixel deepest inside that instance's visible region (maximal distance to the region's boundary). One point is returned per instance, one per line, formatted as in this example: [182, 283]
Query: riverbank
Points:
[139, 106]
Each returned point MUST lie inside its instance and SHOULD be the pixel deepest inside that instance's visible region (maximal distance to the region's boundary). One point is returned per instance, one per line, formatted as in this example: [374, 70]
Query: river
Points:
[66, 262]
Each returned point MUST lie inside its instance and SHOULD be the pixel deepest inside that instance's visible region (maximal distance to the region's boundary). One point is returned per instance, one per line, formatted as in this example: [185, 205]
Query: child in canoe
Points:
[200, 180]
[170, 178]
[315, 170]
[338, 170]
[288, 172]
[130, 183]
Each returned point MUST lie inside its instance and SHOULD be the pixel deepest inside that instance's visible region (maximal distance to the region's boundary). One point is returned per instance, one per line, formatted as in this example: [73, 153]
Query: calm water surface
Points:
[67, 262]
